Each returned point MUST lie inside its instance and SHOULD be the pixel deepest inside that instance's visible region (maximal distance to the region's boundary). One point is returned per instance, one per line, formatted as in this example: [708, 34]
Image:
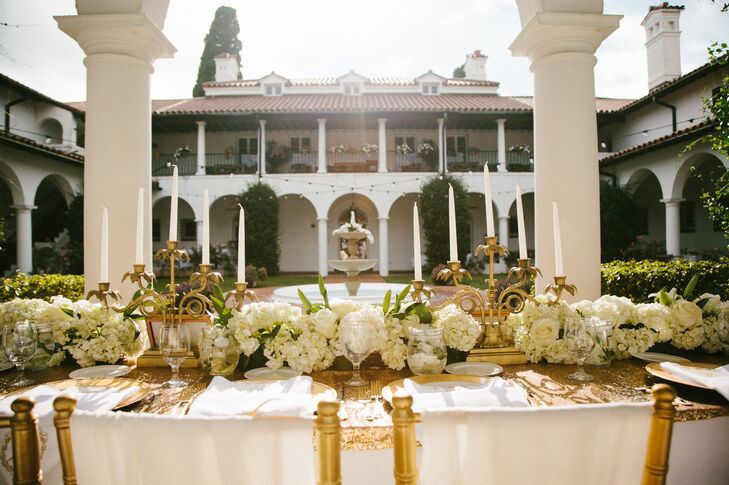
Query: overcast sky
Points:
[329, 37]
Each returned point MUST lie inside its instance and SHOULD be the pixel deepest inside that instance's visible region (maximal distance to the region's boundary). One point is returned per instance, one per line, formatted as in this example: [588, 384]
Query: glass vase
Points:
[218, 354]
[602, 355]
[45, 347]
[427, 353]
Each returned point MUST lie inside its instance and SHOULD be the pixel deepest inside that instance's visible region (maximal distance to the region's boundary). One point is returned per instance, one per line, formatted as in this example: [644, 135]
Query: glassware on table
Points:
[427, 352]
[45, 347]
[19, 343]
[579, 336]
[174, 345]
[218, 356]
[602, 355]
[355, 337]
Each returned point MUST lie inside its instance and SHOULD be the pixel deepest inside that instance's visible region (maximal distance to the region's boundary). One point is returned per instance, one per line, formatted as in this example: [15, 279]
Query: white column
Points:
[501, 143]
[384, 244]
[673, 226]
[199, 233]
[504, 230]
[561, 47]
[200, 147]
[24, 236]
[262, 148]
[323, 240]
[322, 145]
[382, 145]
[120, 48]
[441, 145]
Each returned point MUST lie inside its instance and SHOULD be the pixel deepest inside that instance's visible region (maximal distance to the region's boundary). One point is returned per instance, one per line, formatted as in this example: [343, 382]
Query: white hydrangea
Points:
[375, 318]
[688, 325]
[658, 318]
[395, 352]
[714, 326]
[343, 307]
[460, 330]
[247, 324]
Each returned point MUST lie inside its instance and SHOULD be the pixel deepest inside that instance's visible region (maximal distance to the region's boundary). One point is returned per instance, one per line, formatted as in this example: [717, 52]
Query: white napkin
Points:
[91, 399]
[290, 397]
[717, 379]
[495, 393]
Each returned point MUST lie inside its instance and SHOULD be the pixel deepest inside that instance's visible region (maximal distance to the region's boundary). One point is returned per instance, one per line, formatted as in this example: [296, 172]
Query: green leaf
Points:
[323, 291]
[305, 301]
[69, 312]
[689, 290]
[386, 302]
[664, 298]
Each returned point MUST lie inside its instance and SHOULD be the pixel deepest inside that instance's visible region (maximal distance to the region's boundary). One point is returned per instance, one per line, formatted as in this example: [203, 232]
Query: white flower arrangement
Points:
[425, 148]
[353, 228]
[404, 148]
[340, 149]
[369, 149]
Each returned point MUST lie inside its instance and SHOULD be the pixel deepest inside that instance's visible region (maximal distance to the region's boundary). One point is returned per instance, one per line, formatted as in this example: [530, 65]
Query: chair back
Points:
[26, 446]
[121, 448]
[597, 444]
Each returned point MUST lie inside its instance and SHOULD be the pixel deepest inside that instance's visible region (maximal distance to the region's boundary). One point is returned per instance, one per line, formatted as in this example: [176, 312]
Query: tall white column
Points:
[561, 47]
[200, 147]
[199, 233]
[441, 145]
[24, 235]
[501, 143]
[262, 142]
[120, 49]
[322, 145]
[673, 226]
[382, 145]
[384, 245]
[323, 240]
[504, 230]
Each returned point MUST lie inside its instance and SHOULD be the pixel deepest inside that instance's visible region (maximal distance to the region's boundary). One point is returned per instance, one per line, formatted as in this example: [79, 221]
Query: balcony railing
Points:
[472, 161]
[411, 162]
[519, 162]
[351, 162]
[162, 164]
[297, 163]
[230, 163]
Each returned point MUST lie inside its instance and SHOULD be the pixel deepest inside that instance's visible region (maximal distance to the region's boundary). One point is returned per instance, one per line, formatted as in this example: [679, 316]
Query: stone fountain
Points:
[353, 239]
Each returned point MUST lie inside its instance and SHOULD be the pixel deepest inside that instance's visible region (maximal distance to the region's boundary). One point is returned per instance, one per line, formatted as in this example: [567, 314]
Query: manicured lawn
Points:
[478, 281]
[277, 280]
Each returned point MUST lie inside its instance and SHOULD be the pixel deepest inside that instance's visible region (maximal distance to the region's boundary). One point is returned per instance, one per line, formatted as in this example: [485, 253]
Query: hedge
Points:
[43, 286]
[638, 279]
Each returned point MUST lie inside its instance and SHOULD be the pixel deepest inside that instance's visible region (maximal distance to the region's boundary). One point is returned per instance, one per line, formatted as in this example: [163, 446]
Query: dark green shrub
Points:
[619, 221]
[637, 279]
[42, 286]
[261, 205]
[75, 227]
[434, 212]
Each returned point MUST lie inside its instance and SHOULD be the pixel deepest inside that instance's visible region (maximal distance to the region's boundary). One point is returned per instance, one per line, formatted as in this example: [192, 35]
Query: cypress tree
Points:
[262, 245]
[222, 38]
[434, 212]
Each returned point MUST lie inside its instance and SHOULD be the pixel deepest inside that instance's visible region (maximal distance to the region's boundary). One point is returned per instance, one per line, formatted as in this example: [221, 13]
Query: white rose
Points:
[544, 331]
[325, 322]
[687, 314]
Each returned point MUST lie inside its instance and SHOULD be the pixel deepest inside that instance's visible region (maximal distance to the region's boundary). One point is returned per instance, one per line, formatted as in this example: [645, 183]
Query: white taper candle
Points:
[453, 239]
[104, 271]
[490, 232]
[173, 206]
[206, 229]
[139, 246]
[523, 254]
[352, 220]
[417, 260]
[241, 246]
[558, 266]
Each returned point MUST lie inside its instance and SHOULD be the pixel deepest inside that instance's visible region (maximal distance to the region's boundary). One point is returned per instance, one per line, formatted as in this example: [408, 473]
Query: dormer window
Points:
[352, 89]
[272, 89]
[430, 89]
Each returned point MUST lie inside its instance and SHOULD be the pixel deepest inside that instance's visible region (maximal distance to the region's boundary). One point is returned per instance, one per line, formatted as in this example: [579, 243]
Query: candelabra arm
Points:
[238, 296]
[419, 291]
[104, 294]
[560, 285]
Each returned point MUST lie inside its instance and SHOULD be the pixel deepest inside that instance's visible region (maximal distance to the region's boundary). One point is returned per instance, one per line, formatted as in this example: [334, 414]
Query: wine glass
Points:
[174, 345]
[579, 336]
[19, 343]
[355, 338]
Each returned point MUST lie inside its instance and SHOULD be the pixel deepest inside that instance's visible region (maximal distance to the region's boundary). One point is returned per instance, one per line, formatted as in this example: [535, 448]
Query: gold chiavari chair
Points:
[327, 427]
[23, 426]
[655, 466]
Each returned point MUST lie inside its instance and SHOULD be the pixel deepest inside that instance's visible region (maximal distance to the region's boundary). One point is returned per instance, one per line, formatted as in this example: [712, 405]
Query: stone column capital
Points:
[322, 219]
[201, 124]
[504, 218]
[547, 33]
[673, 201]
[500, 121]
[321, 121]
[24, 208]
[383, 219]
[381, 121]
[262, 123]
[440, 121]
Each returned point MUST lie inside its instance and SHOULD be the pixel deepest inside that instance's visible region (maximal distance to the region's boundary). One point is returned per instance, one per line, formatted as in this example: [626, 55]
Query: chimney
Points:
[226, 67]
[475, 66]
[663, 44]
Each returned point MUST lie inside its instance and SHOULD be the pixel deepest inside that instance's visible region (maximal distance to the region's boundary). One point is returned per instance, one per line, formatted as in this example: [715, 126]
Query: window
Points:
[300, 144]
[188, 230]
[642, 217]
[248, 146]
[156, 230]
[430, 89]
[273, 89]
[352, 89]
[456, 144]
[401, 142]
[688, 216]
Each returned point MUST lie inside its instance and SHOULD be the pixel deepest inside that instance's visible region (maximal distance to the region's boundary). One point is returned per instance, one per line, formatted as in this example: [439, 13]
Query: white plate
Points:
[6, 365]
[656, 357]
[100, 371]
[481, 369]
[264, 373]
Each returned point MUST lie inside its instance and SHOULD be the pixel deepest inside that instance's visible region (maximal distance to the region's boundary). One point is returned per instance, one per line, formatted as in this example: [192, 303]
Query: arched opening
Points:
[527, 201]
[648, 194]
[8, 256]
[340, 210]
[49, 221]
[298, 234]
[400, 231]
[52, 131]
[186, 224]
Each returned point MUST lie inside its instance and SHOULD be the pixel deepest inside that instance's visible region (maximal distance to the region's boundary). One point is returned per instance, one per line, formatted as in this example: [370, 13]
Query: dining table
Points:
[701, 429]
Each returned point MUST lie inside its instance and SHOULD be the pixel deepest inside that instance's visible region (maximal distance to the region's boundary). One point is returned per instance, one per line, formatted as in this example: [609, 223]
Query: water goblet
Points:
[19, 343]
[579, 336]
[174, 346]
[355, 338]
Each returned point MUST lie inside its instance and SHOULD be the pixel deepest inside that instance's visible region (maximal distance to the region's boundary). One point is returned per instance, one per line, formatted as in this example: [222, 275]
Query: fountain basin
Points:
[352, 266]
[368, 292]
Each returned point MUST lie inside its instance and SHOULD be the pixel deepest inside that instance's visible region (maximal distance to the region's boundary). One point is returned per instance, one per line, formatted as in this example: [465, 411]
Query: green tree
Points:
[222, 38]
[619, 221]
[260, 203]
[75, 228]
[459, 72]
[434, 212]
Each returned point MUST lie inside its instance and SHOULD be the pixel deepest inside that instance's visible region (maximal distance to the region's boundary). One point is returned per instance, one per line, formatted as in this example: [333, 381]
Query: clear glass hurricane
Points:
[174, 345]
[355, 337]
[19, 343]
[579, 336]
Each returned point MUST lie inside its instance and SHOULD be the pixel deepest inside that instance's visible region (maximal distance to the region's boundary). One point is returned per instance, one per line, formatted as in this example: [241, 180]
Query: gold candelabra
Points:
[560, 285]
[169, 306]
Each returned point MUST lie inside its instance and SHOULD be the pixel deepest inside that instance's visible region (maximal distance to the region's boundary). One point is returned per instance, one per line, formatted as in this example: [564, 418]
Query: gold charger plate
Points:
[453, 379]
[655, 369]
[107, 382]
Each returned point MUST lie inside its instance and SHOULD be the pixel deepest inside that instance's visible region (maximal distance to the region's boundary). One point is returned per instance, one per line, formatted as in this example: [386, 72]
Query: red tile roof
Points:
[331, 81]
[13, 139]
[603, 105]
